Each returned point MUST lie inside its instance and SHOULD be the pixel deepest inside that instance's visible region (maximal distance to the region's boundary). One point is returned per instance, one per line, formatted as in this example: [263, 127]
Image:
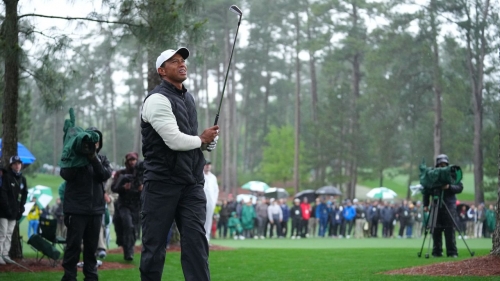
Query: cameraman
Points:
[129, 187]
[83, 207]
[444, 221]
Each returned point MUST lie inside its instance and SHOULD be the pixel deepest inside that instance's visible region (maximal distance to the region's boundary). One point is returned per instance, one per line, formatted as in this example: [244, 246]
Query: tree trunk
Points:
[11, 97]
[438, 119]
[496, 233]
[296, 171]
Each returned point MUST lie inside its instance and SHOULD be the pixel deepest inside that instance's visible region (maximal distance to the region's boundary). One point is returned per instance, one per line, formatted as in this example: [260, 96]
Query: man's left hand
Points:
[211, 146]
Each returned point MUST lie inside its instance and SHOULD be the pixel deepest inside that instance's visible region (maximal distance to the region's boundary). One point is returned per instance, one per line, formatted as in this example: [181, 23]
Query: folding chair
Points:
[47, 228]
[41, 245]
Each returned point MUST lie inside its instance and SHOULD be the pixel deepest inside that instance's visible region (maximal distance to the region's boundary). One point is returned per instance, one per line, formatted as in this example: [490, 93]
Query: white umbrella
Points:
[382, 193]
[255, 186]
[246, 198]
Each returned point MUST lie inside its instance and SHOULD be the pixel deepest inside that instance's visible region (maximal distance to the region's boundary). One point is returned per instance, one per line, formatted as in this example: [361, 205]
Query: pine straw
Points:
[480, 266]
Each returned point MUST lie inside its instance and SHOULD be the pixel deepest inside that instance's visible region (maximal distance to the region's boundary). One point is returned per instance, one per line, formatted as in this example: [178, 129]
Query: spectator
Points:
[312, 224]
[275, 216]
[479, 219]
[59, 215]
[373, 216]
[418, 219]
[360, 219]
[336, 220]
[128, 184]
[248, 219]
[306, 215]
[223, 219]
[286, 215]
[411, 220]
[471, 220]
[33, 218]
[235, 228]
[262, 218]
[348, 213]
[403, 215]
[211, 189]
[387, 215]
[491, 221]
[462, 220]
[321, 210]
[13, 194]
[296, 216]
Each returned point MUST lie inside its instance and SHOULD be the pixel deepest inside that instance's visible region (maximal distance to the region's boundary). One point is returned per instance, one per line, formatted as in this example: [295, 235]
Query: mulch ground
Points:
[480, 266]
[44, 265]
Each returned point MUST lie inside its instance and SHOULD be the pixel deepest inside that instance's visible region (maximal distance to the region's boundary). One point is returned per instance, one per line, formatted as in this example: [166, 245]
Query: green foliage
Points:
[277, 155]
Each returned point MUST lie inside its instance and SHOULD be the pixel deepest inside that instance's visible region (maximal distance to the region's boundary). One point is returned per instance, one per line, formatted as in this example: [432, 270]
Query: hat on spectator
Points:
[15, 159]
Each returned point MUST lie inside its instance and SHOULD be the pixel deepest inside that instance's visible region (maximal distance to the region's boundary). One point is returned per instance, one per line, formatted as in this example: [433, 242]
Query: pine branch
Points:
[77, 18]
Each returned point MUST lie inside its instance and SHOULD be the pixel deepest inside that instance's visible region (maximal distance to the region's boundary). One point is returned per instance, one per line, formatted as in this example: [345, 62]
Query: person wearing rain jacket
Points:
[322, 216]
[13, 194]
[349, 214]
[234, 225]
[83, 208]
[248, 218]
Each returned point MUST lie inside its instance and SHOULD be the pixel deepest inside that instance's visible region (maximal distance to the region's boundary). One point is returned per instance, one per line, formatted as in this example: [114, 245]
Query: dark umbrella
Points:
[328, 190]
[308, 193]
[460, 206]
[276, 193]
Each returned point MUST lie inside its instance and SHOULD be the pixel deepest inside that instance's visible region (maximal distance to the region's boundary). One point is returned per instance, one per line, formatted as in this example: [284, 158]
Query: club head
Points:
[235, 10]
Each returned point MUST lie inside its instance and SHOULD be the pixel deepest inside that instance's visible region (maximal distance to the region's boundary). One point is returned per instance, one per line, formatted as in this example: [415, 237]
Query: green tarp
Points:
[76, 143]
[434, 178]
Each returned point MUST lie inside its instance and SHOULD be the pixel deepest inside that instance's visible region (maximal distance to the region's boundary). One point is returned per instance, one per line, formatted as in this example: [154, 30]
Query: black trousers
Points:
[86, 228]
[127, 216]
[161, 204]
[296, 227]
[449, 236]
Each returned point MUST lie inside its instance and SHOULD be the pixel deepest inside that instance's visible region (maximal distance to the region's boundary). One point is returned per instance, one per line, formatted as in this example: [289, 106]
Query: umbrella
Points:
[43, 195]
[246, 198]
[256, 186]
[328, 190]
[308, 193]
[25, 155]
[381, 193]
[276, 193]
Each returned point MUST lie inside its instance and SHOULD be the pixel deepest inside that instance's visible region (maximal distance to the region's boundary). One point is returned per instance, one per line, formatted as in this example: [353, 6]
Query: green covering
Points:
[434, 178]
[75, 141]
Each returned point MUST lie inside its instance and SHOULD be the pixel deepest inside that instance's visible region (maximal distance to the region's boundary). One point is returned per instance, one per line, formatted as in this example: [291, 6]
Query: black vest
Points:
[162, 163]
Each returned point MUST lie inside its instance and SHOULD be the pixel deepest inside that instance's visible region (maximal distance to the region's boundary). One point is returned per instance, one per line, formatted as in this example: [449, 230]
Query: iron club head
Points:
[235, 10]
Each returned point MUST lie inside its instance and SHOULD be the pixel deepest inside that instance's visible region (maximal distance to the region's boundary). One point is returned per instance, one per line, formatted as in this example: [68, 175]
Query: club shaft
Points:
[227, 73]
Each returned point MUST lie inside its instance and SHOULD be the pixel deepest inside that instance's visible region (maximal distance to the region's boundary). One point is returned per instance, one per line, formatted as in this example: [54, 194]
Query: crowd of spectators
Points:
[327, 217]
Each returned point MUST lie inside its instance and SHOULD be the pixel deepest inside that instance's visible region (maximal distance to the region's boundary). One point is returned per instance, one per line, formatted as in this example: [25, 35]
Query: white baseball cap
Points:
[165, 55]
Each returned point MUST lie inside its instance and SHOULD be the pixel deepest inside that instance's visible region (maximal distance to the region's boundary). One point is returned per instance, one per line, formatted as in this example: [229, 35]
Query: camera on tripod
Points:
[435, 178]
[87, 146]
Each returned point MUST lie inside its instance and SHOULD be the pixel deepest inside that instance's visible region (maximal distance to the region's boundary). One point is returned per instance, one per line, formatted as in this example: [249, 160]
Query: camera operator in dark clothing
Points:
[83, 208]
[129, 188]
[444, 221]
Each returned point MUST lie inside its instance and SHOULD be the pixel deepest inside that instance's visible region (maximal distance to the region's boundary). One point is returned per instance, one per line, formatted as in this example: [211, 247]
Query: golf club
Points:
[237, 11]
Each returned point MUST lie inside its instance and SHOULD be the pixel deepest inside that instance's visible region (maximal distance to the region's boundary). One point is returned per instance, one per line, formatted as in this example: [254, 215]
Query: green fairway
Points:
[286, 259]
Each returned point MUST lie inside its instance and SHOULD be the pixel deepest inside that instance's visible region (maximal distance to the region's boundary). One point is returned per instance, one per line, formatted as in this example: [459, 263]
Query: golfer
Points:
[173, 176]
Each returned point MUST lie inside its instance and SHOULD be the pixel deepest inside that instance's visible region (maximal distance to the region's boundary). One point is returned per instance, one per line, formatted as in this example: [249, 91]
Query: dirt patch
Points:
[44, 265]
[480, 266]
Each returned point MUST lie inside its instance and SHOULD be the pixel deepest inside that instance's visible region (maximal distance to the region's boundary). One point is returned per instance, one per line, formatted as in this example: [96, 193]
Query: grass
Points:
[305, 259]
[285, 259]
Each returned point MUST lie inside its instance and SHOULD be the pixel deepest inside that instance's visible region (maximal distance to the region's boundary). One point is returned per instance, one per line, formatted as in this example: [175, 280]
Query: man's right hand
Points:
[209, 134]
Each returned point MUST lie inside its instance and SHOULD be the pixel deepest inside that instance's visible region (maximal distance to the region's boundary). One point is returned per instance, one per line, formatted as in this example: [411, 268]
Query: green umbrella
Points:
[255, 186]
[381, 193]
[43, 195]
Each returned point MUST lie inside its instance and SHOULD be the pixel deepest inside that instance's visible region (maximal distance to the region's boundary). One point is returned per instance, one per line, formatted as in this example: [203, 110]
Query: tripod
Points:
[430, 223]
